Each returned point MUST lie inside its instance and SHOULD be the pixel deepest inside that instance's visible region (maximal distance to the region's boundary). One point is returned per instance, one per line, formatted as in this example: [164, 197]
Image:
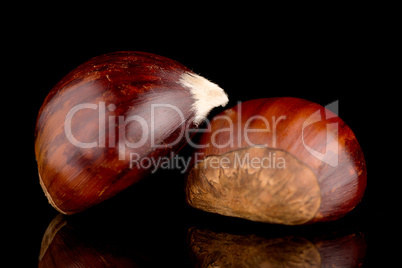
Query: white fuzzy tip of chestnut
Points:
[207, 95]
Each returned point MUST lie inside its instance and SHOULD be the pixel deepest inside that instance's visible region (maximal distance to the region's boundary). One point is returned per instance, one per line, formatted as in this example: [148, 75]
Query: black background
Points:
[310, 59]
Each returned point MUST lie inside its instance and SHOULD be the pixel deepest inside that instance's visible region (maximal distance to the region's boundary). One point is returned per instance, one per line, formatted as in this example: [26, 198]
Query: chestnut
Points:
[108, 111]
[277, 160]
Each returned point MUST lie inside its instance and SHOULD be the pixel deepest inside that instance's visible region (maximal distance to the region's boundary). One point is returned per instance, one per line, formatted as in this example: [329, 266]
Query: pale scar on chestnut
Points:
[283, 194]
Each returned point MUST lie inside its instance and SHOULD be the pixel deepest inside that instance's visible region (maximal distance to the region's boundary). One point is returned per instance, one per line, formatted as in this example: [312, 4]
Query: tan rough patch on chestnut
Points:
[236, 186]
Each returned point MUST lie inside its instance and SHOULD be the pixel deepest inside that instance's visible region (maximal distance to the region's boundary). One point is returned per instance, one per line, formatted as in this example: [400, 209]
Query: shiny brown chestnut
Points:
[278, 160]
[109, 111]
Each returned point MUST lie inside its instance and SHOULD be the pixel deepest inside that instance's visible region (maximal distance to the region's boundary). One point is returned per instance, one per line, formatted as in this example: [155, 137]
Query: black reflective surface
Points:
[128, 242]
[149, 225]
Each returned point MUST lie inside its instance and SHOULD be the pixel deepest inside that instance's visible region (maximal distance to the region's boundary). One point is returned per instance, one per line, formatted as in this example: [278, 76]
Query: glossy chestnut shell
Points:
[108, 111]
[311, 166]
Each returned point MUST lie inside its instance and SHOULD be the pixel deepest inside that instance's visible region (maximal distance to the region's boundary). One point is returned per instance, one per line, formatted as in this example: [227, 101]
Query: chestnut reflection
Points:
[213, 249]
[64, 246]
[111, 239]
